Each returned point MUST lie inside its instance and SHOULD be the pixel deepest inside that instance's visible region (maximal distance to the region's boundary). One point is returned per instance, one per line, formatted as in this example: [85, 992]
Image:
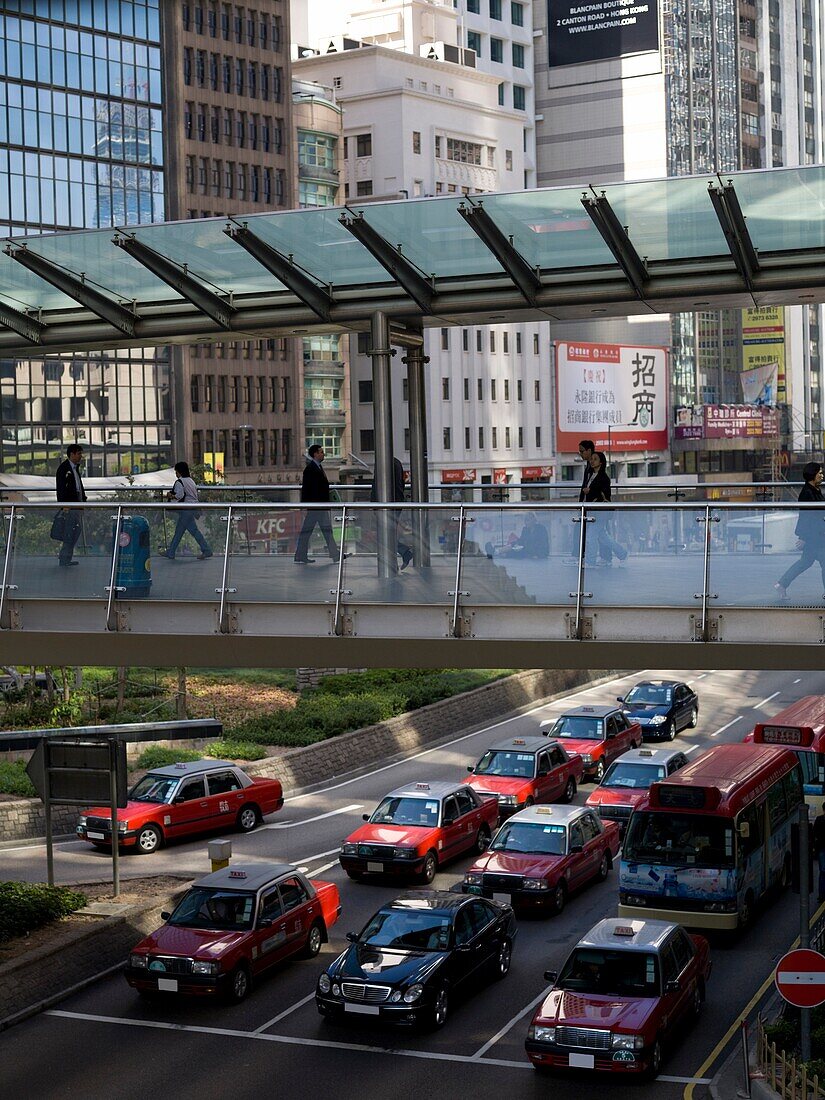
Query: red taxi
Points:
[600, 734]
[627, 988]
[525, 770]
[628, 779]
[541, 855]
[230, 927]
[417, 828]
[182, 800]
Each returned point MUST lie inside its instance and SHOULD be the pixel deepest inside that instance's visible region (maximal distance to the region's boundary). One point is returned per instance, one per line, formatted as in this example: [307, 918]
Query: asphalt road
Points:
[105, 1040]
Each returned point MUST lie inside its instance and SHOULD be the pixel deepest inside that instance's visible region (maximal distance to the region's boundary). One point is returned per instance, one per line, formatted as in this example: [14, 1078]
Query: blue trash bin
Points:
[134, 563]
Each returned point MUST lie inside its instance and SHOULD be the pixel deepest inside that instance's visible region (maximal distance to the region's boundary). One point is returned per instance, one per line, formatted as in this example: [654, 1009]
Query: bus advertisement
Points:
[800, 727]
[706, 844]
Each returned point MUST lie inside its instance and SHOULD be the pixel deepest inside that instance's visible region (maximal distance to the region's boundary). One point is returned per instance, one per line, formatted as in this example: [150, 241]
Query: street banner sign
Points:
[800, 978]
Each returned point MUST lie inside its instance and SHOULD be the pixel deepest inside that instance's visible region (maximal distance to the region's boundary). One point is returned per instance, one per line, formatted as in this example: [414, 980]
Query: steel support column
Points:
[415, 361]
[381, 354]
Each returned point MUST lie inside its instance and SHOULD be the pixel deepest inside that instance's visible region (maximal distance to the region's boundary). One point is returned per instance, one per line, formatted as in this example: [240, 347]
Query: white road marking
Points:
[286, 1012]
[693, 748]
[684, 1080]
[732, 722]
[491, 1042]
[326, 867]
[700, 677]
[58, 846]
[758, 705]
[798, 681]
[318, 817]
[318, 855]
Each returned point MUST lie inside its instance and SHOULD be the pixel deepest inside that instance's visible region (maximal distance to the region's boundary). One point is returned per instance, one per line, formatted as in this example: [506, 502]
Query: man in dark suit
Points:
[403, 550]
[69, 485]
[315, 490]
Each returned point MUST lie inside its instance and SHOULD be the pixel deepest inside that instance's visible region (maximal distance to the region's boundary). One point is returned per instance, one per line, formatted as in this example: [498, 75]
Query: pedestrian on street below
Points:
[810, 530]
[184, 491]
[598, 491]
[403, 549]
[818, 846]
[315, 490]
[533, 542]
[69, 486]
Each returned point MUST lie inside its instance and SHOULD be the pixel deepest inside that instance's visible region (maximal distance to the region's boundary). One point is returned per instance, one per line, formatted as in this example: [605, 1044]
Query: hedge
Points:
[13, 779]
[25, 906]
[235, 750]
[159, 757]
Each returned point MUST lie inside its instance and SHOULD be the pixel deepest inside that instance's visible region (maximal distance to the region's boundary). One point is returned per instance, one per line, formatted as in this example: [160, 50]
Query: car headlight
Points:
[122, 826]
[82, 820]
[472, 879]
[543, 1034]
[508, 800]
[349, 849]
[628, 1042]
[138, 962]
[203, 967]
[324, 983]
[658, 719]
[413, 993]
[587, 758]
[395, 996]
[535, 884]
[404, 853]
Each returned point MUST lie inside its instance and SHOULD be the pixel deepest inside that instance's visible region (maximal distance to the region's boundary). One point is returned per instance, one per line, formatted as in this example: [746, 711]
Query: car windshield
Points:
[153, 788]
[406, 810]
[524, 836]
[223, 910]
[650, 693]
[635, 777]
[419, 929]
[611, 973]
[587, 729]
[687, 840]
[516, 764]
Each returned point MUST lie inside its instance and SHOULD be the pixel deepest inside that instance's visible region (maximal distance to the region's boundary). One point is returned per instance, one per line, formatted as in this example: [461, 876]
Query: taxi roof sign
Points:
[544, 810]
[624, 930]
[422, 786]
[519, 741]
[237, 874]
[645, 752]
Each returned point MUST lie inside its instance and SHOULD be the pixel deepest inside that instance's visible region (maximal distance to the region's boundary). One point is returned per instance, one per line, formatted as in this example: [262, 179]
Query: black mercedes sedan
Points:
[662, 707]
[414, 956]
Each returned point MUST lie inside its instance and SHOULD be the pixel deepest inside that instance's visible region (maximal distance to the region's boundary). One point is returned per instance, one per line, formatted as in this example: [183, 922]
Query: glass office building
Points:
[81, 146]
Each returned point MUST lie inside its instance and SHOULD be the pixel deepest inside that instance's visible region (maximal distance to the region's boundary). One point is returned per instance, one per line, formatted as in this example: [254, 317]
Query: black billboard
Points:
[593, 30]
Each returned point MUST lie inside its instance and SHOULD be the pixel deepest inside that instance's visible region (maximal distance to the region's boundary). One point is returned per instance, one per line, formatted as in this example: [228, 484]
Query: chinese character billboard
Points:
[763, 349]
[614, 394]
[598, 29]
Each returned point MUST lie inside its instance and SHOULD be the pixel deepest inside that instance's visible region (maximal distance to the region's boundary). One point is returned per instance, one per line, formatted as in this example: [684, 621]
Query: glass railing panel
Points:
[177, 548]
[77, 565]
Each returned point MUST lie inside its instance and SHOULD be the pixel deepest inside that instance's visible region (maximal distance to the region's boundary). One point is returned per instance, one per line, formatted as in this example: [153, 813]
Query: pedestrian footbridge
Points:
[620, 586]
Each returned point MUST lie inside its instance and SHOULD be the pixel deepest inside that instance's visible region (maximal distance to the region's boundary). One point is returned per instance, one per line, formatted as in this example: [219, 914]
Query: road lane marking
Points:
[732, 722]
[318, 855]
[491, 1042]
[693, 748]
[286, 1012]
[758, 705]
[326, 867]
[318, 817]
[798, 681]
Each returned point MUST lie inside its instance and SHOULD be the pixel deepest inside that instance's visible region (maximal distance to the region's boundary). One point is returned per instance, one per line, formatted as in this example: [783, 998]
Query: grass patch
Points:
[159, 757]
[25, 906]
[236, 750]
[13, 779]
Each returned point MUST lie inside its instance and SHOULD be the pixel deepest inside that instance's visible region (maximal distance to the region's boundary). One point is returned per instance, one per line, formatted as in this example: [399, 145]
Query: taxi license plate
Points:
[363, 1010]
[502, 899]
[96, 836]
[583, 1061]
[379, 867]
[168, 985]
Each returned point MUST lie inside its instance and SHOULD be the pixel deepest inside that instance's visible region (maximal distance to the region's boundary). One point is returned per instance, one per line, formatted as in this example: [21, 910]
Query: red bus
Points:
[800, 727]
[707, 843]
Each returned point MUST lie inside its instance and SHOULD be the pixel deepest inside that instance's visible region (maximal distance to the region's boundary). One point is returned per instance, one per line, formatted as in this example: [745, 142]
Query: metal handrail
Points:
[336, 621]
[113, 574]
[457, 592]
[223, 625]
[4, 586]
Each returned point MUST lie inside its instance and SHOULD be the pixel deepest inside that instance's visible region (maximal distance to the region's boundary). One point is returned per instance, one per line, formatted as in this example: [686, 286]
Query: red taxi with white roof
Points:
[417, 828]
[599, 734]
[627, 780]
[541, 855]
[230, 927]
[626, 990]
[524, 770]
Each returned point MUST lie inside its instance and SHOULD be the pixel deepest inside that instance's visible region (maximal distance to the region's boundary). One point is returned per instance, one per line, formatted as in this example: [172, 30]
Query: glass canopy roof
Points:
[450, 258]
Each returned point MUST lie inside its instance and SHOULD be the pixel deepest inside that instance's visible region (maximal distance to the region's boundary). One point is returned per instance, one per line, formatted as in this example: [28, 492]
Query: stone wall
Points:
[25, 819]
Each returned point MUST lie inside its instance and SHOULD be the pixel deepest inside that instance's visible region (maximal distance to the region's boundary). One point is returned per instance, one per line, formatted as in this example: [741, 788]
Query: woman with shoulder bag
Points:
[598, 491]
[185, 492]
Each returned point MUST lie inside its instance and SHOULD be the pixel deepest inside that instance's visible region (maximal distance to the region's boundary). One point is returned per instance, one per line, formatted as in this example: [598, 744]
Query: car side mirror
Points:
[543, 771]
[177, 801]
[576, 847]
[744, 829]
[619, 699]
[365, 817]
[470, 768]
[352, 937]
[265, 922]
[672, 986]
[164, 915]
[448, 819]
[551, 976]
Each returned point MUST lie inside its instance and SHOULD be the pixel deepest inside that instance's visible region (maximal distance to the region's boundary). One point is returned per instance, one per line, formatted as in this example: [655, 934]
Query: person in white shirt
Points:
[185, 492]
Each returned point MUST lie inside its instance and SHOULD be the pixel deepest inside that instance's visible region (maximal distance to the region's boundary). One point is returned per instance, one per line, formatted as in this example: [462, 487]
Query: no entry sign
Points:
[800, 978]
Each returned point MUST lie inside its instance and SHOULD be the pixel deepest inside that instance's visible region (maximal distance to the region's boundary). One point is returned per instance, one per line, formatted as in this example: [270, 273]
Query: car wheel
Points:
[604, 868]
[503, 960]
[441, 1008]
[315, 937]
[569, 790]
[148, 840]
[429, 869]
[745, 913]
[694, 718]
[655, 1066]
[482, 840]
[354, 875]
[598, 775]
[247, 818]
[696, 1003]
[239, 984]
[670, 730]
[559, 898]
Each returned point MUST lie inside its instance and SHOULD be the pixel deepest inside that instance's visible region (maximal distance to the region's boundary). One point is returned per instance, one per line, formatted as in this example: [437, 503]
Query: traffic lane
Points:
[71, 1059]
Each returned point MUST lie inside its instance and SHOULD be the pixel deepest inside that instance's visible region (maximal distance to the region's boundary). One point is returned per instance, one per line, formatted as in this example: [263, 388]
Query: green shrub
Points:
[13, 779]
[816, 1068]
[158, 757]
[25, 906]
[785, 1033]
[236, 750]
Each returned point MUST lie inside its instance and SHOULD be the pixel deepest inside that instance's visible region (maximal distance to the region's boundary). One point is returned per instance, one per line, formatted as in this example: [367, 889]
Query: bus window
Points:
[777, 809]
[793, 790]
[753, 817]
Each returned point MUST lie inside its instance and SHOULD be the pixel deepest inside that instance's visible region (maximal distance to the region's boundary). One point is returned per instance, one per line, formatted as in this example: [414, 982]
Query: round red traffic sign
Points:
[800, 978]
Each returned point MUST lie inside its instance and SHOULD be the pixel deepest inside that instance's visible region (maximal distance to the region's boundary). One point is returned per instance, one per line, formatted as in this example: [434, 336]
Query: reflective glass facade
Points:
[81, 146]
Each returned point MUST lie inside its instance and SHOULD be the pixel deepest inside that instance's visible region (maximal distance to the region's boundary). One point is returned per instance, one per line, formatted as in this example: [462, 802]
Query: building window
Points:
[365, 391]
[493, 395]
[466, 389]
[518, 56]
[481, 439]
[445, 339]
[447, 439]
[363, 145]
[518, 343]
[519, 390]
[507, 438]
[506, 389]
[438, 146]
[195, 389]
[445, 389]
[474, 6]
[517, 14]
[494, 433]
[416, 141]
[367, 438]
[519, 97]
[363, 187]
[537, 390]
[505, 343]
[520, 437]
[405, 389]
[474, 42]
[535, 343]
[492, 341]
[465, 339]
[538, 436]
[501, 95]
[508, 159]
[480, 388]
[495, 9]
[478, 339]
[496, 49]
[464, 152]
[316, 150]
[466, 439]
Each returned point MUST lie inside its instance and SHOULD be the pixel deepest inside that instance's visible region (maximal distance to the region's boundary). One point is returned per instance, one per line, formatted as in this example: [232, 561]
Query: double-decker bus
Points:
[800, 727]
[706, 844]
